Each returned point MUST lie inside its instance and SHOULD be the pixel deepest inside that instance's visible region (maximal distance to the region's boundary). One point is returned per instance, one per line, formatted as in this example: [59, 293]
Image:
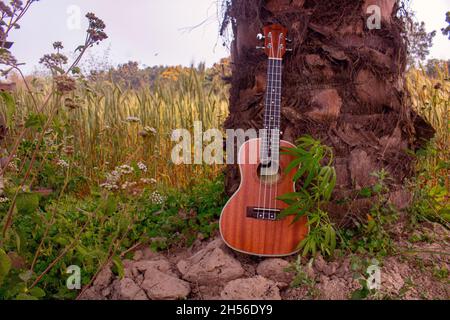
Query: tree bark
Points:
[343, 84]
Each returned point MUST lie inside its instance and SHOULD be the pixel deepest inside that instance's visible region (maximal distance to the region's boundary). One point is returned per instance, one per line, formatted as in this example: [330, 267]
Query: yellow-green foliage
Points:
[107, 125]
[431, 99]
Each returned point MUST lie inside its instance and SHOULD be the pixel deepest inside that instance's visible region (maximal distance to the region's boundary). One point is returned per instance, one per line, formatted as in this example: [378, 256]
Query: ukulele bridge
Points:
[262, 213]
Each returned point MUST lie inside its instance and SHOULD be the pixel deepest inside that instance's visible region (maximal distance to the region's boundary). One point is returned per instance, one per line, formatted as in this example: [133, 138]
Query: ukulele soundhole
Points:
[269, 173]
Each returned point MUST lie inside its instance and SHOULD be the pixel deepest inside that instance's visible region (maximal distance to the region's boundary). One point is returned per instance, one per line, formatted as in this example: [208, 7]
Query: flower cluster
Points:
[65, 83]
[148, 131]
[142, 166]
[132, 119]
[4, 199]
[96, 29]
[148, 181]
[127, 185]
[54, 62]
[125, 169]
[62, 163]
[157, 198]
[113, 179]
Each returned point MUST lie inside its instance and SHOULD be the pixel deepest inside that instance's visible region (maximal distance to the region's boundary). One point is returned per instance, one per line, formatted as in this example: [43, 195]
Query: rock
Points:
[333, 289]
[319, 263]
[139, 279]
[127, 289]
[104, 278]
[92, 294]
[217, 243]
[106, 292]
[149, 254]
[344, 269]
[128, 268]
[160, 286]
[140, 295]
[326, 105]
[138, 255]
[274, 269]
[210, 265]
[330, 269]
[256, 288]
[161, 265]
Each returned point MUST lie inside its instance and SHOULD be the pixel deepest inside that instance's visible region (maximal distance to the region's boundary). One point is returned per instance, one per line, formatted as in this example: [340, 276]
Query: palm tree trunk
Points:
[343, 84]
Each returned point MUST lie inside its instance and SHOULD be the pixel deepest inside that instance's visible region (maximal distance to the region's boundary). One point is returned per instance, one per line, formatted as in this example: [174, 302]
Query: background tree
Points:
[446, 31]
[419, 41]
[343, 84]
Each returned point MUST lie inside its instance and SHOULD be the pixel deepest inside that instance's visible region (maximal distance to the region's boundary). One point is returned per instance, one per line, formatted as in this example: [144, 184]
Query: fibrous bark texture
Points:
[342, 83]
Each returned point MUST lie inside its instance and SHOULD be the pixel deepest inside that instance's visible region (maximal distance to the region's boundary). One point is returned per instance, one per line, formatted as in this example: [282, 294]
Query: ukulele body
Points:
[247, 221]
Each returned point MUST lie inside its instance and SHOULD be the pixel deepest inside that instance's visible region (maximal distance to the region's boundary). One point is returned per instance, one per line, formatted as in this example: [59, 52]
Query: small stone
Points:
[106, 292]
[141, 296]
[336, 289]
[138, 255]
[319, 263]
[128, 289]
[160, 286]
[91, 294]
[161, 265]
[104, 278]
[210, 265]
[256, 288]
[330, 269]
[275, 269]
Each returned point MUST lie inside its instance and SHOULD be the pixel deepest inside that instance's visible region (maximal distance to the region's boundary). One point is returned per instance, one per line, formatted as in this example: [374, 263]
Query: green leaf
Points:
[5, 265]
[360, 294]
[27, 203]
[365, 192]
[37, 292]
[24, 296]
[8, 99]
[119, 266]
[25, 276]
[292, 165]
[377, 188]
[35, 120]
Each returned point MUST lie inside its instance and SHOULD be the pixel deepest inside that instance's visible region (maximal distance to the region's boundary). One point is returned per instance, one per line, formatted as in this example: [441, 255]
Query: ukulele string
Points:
[269, 130]
[275, 133]
[262, 144]
[277, 121]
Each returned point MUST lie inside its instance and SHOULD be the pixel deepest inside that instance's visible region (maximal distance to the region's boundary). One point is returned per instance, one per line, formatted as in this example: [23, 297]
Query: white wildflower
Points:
[133, 119]
[150, 130]
[142, 166]
[63, 164]
[127, 185]
[125, 169]
[148, 181]
[3, 199]
[157, 198]
[13, 166]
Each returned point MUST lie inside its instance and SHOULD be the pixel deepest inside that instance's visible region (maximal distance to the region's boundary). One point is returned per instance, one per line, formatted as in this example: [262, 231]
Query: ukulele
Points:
[250, 222]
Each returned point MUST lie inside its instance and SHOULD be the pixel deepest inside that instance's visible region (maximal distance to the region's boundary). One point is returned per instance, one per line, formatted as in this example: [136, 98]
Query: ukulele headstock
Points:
[274, 41]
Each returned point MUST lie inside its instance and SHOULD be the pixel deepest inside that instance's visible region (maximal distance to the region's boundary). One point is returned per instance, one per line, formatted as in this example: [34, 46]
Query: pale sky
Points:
[155, 32]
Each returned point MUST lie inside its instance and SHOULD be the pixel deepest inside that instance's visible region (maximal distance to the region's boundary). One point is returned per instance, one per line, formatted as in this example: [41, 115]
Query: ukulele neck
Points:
[271, 134]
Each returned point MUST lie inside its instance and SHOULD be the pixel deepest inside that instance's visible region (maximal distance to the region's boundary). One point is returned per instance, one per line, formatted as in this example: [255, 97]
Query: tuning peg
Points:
[288, 40]
[289, 50]
[258, 48]
[260, 36]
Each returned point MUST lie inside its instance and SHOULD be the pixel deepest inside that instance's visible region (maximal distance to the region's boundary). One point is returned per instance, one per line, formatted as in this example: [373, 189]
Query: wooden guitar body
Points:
[246, 222]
